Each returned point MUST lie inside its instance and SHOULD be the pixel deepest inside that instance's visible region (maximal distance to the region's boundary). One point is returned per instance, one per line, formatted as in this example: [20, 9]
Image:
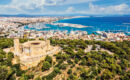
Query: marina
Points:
[88, 24]
[100, 28]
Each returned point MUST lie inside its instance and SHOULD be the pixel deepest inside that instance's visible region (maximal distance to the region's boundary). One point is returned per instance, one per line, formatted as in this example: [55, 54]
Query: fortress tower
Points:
[48, 44]
[16, 46]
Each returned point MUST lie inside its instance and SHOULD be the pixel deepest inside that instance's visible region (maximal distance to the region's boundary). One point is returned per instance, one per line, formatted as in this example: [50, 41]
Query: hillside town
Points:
[14, 27]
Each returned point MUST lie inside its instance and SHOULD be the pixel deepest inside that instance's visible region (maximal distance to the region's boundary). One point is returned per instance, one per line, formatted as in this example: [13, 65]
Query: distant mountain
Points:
[27, 15]
[19, 15]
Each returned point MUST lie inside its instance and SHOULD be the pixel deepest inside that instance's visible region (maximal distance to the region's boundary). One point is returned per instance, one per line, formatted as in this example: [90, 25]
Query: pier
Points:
[115, 31]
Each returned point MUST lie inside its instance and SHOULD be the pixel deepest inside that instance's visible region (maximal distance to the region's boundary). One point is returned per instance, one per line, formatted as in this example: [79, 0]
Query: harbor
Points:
[53, 27]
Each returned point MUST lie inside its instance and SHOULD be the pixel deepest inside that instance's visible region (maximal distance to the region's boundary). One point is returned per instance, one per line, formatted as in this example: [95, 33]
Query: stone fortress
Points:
[32, 52]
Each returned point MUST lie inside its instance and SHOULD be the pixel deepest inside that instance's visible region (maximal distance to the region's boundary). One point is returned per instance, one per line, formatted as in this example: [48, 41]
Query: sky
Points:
[58, 7]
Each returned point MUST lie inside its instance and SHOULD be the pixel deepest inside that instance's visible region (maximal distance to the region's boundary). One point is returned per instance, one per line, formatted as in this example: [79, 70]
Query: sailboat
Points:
[127, 31]
[99, 32]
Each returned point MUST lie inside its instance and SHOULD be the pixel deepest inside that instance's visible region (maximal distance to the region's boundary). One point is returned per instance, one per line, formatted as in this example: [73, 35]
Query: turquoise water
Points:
[94, 23]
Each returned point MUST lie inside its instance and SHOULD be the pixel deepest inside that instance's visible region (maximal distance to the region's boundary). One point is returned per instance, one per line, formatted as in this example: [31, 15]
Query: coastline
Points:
[69, 24]
[77, 17]
[58, 24]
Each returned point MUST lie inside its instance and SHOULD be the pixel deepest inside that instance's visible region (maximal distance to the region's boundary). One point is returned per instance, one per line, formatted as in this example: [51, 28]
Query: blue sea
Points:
[93, 23]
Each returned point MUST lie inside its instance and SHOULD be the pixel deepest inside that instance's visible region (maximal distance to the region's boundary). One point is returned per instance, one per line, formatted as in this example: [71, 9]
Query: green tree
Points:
[3, 73]
[73, 77]
[107, 75]
[24, 77]
[46, 66]
[49, 59]
[94, 47]
[69, 71]
[57, 70]
[38, 78]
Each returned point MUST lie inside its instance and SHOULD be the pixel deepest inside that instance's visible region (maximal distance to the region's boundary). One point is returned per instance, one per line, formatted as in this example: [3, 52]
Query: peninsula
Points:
[69, 25]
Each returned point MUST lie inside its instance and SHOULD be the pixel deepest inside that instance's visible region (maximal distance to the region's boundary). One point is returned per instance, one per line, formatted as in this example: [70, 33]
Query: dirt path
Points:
[45, 73]
[89, 48]
[109, 52]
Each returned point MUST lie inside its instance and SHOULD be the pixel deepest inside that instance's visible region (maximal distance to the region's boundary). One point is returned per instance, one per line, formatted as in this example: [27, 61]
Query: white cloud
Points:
[25, 6]
[70, 10]
[119, 9]
[65, 2]
[39, 7]
[28, 4]
[114, 9]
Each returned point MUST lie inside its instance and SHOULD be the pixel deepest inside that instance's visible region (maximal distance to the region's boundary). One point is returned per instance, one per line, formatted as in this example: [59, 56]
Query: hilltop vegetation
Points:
[75, 62]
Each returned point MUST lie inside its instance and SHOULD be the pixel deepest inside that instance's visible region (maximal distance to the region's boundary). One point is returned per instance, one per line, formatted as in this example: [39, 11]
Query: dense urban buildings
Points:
[15, 27]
